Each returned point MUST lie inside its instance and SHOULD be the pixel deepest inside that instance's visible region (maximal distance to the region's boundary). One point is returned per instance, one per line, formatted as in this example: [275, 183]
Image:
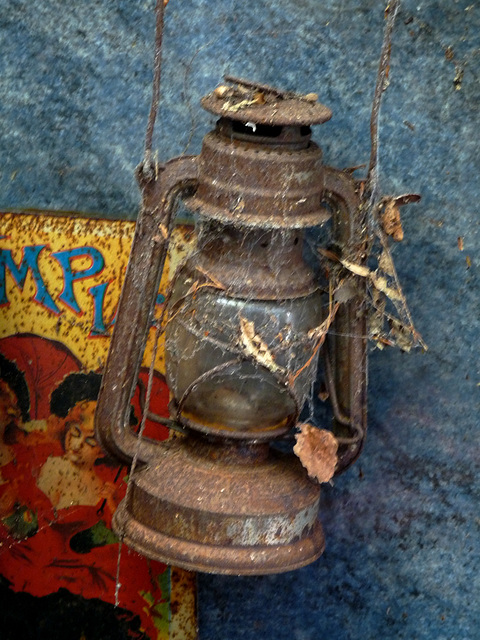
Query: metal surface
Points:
[231, 514]
[57, 549]
[275, 268]
[220, 505]
[253, 102]
[252, 182]
[349, 335]
[135, 310]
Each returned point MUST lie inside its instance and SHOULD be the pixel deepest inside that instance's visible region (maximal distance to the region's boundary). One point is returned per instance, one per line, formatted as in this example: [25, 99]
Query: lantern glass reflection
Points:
[232, 352]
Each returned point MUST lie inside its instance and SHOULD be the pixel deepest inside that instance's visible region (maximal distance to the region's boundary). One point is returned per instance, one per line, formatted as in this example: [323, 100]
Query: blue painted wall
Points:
[403, 545]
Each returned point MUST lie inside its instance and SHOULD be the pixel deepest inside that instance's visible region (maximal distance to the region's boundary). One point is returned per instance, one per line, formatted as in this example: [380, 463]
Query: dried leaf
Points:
[402, 335]
[357, 269]
[391, 221]
[376, 319]
[380, 282]
[254, 346]
[223, 91]
[258, 98]
[317, 451]
[381, 286]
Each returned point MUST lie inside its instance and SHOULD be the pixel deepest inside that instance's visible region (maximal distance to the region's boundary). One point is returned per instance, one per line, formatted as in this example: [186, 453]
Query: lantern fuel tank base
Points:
[251, 518]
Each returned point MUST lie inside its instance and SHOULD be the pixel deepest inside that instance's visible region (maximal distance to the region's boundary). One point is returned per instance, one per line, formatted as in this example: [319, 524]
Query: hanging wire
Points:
[371, 196]
[147, 171]
[157, 75]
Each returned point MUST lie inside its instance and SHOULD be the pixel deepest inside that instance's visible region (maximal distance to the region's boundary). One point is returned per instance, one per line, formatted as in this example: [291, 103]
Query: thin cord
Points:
[157, 74]
[147, 164]
[370, 196]
[158, 332]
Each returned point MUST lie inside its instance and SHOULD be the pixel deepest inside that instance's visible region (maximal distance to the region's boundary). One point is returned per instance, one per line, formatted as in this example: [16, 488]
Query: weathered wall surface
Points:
[402, 526]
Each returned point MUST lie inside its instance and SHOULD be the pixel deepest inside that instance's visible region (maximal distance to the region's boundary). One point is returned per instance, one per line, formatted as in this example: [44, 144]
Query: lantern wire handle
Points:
[143, 423]
[148, 172]
[370, 195]
[157, 74]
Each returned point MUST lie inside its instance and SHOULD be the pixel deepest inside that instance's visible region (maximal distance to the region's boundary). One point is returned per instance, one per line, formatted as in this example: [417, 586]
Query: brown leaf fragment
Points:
[402, 335]
[323, 395]
[254, 346]
[222, 91]
[259, 98]
[380, 282]
[317, 451]
[460, 243]
[391, 221]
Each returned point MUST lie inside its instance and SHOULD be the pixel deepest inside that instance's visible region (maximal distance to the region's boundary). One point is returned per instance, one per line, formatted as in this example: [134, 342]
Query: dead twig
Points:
[319, 334]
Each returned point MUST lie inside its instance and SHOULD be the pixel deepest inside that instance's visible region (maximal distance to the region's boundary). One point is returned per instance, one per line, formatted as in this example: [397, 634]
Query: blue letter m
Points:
[29, 262]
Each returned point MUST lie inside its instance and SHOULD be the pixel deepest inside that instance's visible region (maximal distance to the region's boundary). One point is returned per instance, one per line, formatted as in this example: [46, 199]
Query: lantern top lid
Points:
[247, 101]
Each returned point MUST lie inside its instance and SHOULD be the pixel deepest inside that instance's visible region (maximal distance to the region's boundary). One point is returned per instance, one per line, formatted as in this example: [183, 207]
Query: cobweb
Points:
[240, 363]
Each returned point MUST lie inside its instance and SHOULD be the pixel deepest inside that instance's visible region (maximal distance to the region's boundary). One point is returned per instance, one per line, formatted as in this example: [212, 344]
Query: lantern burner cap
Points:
[247, 101]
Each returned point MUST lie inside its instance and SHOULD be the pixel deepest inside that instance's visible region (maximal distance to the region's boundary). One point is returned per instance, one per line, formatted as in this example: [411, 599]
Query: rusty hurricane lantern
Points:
[247, 323]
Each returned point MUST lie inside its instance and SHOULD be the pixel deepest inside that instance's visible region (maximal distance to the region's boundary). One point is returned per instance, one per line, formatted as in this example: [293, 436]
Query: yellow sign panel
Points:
[61, 277]
[60, 281]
